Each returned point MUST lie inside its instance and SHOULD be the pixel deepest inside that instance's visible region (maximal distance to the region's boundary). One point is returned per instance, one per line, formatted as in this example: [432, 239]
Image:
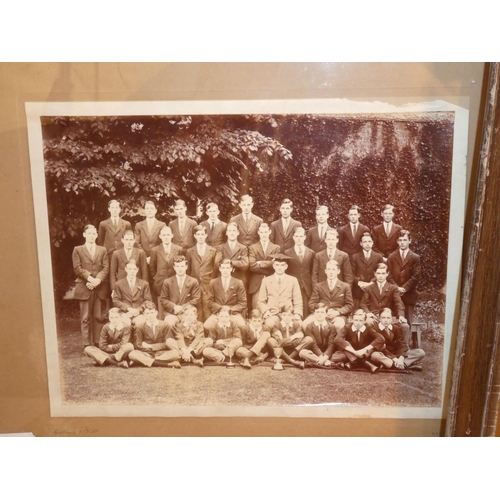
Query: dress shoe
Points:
[416, 368]
[347, 365]
[371, 366]
[245, 363]
[198, 362]
[174, 364]
[299, 364]
[123, 364]
[260, 358]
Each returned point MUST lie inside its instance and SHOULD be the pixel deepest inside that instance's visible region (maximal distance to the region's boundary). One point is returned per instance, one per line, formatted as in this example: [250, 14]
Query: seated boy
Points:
[289, 336]
[114, 343]
[322, 334]
[395, 352]
[226, 338]
[254, 337]
[356, 343]
[190, 337]
[154, 343]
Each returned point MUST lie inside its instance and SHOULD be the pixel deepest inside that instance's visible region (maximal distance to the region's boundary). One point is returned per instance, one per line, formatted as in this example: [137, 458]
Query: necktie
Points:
[330, 285]
[150, 226]
[279, 281]
[387, 232]
[92, 250]
[131, 283]
[287, 332]
[154, 331]
[114, 223]
[354, 229]
[225, 285]
[403, 255]
[320, 233]
[212, 225]
[367, 255]
[181, 227]
[225, 331]
[330, 256]
[128, 253]
[247, 220]
[380, 287]
[285, 225]
[181, 284]
[301, 255]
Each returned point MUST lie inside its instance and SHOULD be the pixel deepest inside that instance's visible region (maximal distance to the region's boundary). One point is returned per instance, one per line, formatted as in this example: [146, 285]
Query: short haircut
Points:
[128, 231]
[332, 231]
[255, 314]
[337, 265]
[366, 234]
[264, 224]
[149, 304]
[180, 258]
[212, 205]
[381, 265]
[131, 261]
[190, 307]
[180, 202]
[199, 227]
[387, 207]
[322, 207]
[287, 308]
[114, 310]
[231, 224]
[404, 232]
[360, 312]
[299, 228]
[286, 201]
[226, 261]
[88, 226]
[246, 197]
[149, 202]
[113, 201]
[319, 305]
[386, 309]
[225, 309]
[355, 207]
[166, 227]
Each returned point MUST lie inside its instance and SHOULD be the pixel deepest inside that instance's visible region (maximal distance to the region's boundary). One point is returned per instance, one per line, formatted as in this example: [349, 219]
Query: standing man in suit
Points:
[236, 252]
[300, 265]
[283, 228]
[350, 234]
[248, 223]
[147, 232]
[381, 294]
[226, 291]
[260, 263]
[335, 294]
[279, 290]
[120, 257]
[216, 229]
[178, 292]
[385, 236]
[203, 262]
[315, 238]
[129, 295]
[91, 266]
[364, 264]
[404, 271]
[111, 230]
[332, 253]
[182, 227]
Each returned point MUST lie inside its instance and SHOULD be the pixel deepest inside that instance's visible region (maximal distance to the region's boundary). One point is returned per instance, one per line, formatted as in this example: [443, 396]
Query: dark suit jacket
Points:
[394, 341]
[302, 270]
[144, 239]
[144, 333]
[111, 340]
[320, 261]
[186, 239]
[347, 243]
[348, 337]
[278, 235]
[363, 270]
[313, 241]
[217, 333]
[405, 274]
[110, 236]
[256, 253]
[295, 327]
[217, 236]
[203, 268]
[340, 299]
[161, 265]
[123, 298]
[249, 235]
[118, 261]
[189, 335]
[239, 259]
[170, 295]
[235, 297]
[323, 342]
[248, 337]
[374, 302]
[385, 244]
[84, 266]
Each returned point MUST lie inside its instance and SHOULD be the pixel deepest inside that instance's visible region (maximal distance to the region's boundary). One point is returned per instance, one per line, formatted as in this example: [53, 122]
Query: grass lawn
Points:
[83, 383]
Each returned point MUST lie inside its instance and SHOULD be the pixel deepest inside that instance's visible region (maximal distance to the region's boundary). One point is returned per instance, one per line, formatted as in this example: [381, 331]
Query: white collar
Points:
[362, 329]
[325, 324]
[118, 327]
[382, 327]
[220, 325]
[290, 325]
[156, 323]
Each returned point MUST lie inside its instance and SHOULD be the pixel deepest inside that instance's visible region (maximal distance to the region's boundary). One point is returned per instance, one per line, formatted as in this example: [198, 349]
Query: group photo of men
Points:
[306, 252]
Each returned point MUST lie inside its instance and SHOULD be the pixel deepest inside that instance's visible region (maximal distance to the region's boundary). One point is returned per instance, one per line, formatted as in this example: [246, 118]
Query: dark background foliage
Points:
[333, 160]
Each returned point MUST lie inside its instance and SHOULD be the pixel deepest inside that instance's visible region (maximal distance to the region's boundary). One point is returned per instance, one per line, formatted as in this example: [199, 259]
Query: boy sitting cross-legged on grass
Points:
[254, 336]
[114, 346]
[154, 342]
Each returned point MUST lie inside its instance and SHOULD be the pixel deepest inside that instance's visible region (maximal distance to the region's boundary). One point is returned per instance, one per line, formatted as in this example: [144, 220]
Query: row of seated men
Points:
[372, 346]
[249, 264]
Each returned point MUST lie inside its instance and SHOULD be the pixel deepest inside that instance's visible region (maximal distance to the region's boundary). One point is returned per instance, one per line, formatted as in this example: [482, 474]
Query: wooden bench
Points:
[416, 334]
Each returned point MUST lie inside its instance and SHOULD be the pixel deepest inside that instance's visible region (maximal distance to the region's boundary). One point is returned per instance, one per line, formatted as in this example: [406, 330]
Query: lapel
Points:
[228, 249]
[114, 334]
[400, 259]
[252, 223]
[348, 231]
[326, 288]
[111, 226]
[87, 253]
[336, 290]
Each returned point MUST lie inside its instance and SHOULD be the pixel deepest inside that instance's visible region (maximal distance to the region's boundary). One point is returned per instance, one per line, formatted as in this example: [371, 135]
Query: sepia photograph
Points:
[248, 258]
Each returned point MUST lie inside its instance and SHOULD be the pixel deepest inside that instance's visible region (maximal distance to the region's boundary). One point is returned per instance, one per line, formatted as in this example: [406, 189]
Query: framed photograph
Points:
[407, 161]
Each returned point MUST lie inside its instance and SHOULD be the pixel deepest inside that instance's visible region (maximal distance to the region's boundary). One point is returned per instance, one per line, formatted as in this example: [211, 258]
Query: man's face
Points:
[353, 216]
[212, 213]
[180, 210]
[280, 267]
[166, 235]
[246, 207]
[180, 268]
[150, 315]
[200, 237]
[299, 237]
[224, 317]
[381, 275]
[256, 323]
[320, 314]
[225, 270]
[128, 241]
[150, 210]
[114, 318]
[114, 209]
[286, 317]
[331, 241]
[358, 320]
[190, 315]
[366, 243]
[90, 235]
[404, 242]
[131, 270]
[386, 318]
[331, 271]
[321, 216]
[232, 233]
[388, 215]
[264, 233]
[285, 210]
